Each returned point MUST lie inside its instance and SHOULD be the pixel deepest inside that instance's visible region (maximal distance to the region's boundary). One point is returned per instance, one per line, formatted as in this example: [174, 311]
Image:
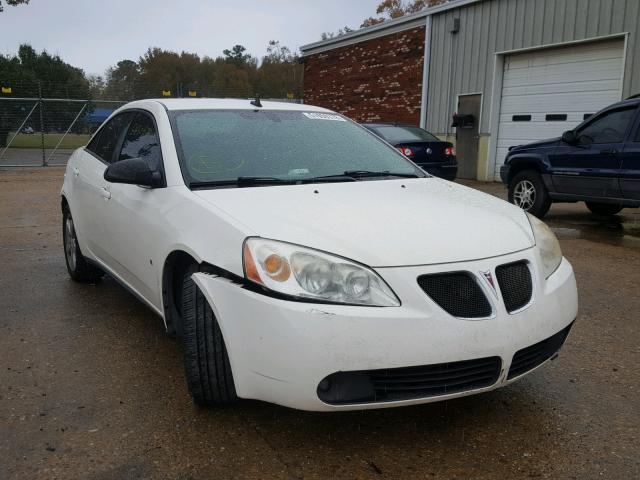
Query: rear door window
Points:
[406, 134]
[93, 144]
[110, 136]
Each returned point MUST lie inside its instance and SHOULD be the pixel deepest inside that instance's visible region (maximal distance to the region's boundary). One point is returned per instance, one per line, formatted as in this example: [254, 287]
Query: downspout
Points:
[425, 73]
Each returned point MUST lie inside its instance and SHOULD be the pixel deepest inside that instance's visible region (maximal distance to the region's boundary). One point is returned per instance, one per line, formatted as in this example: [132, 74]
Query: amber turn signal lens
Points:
[277, 268]
[250, 269]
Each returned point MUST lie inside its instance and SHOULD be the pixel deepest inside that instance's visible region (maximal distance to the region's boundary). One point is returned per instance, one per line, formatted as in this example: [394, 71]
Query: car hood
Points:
[381, 223]
[550, 142]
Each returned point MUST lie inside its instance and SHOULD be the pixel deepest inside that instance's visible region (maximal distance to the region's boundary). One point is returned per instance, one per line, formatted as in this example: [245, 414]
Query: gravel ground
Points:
[92, 388]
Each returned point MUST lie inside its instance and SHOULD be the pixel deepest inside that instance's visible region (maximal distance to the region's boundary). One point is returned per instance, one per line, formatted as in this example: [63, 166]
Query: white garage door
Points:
[549, 91]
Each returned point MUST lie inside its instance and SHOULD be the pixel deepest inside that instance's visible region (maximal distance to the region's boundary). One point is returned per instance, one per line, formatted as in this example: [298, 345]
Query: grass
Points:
[72, 140]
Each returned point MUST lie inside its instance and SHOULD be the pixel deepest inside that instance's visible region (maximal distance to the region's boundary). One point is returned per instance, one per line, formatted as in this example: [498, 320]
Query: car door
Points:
[89, 185]
[591, 167]
[133, 217]
[630, 170]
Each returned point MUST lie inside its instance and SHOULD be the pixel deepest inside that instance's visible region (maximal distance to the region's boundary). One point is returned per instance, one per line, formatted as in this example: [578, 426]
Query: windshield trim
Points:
[192, 184]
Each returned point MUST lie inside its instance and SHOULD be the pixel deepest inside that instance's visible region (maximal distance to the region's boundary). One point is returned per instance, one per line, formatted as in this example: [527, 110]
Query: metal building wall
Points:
[464, 62]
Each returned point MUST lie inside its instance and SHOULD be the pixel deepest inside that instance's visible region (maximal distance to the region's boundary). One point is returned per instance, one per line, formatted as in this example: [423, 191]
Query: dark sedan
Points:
[423, 148]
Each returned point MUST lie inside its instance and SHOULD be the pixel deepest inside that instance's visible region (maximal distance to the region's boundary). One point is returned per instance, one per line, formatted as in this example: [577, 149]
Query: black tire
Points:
[80, 270]
[604, 209]
[527, 191]
[207, 366]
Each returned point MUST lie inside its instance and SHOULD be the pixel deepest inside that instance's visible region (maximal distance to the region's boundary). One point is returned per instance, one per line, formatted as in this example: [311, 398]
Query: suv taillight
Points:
[450, 151]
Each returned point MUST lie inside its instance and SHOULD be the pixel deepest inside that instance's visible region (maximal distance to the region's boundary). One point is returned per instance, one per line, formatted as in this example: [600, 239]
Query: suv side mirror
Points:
[133, 171]
[570, 137]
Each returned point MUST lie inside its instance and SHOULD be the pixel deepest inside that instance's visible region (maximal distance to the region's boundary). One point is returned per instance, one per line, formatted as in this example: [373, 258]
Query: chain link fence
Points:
[45, 131]
[37, 131]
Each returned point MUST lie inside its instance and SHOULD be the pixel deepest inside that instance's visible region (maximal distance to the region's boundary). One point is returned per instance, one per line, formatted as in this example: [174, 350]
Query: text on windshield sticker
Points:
[323, 116]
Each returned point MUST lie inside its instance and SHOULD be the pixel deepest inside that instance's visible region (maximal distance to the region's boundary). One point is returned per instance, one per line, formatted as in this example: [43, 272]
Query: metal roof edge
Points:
[375, 31]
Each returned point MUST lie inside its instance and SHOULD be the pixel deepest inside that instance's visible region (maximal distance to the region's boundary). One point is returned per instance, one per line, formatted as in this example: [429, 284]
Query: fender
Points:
[527, 160]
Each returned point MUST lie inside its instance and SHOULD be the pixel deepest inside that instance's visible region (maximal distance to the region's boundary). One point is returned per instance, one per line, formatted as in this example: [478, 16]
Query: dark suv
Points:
[598, 162]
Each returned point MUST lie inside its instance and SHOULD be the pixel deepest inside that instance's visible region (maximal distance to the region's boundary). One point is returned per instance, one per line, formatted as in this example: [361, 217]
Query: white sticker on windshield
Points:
[323, 116]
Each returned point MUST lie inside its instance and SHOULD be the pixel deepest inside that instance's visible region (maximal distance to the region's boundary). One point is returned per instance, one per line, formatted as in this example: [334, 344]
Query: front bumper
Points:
[280, 350]
[447, 171]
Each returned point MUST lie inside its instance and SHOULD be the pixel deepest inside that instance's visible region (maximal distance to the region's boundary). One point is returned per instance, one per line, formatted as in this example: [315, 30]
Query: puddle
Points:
[621, 230]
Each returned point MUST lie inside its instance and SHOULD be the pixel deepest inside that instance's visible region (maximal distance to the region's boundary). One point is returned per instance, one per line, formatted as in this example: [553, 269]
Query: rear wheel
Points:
[527, 191]
[604, 209]
[80, 270]
[207, 366]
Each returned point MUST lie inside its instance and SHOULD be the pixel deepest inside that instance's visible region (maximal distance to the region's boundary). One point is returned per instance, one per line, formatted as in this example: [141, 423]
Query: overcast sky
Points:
[94, 35]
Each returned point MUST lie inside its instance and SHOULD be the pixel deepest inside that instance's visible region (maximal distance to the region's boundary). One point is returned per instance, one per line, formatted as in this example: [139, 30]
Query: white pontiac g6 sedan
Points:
[304, 261]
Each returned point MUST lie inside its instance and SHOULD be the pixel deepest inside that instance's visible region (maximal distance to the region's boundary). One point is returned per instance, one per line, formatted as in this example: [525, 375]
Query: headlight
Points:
[313, 275]
[548, 244]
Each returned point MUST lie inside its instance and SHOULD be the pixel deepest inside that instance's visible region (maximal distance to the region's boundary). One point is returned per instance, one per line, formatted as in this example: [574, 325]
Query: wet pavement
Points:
[574, 220]
[92, 388]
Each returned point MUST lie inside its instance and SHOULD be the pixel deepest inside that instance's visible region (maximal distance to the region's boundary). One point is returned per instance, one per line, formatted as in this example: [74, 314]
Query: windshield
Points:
[222, 146]
[405, 134]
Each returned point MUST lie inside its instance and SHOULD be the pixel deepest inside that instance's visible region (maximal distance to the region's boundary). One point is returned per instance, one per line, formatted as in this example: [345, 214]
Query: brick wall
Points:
[378, 80]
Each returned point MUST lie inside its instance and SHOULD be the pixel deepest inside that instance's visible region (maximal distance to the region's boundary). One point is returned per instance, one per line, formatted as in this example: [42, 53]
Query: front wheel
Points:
[527, 191]
[207, 366]
[80, 270]
[604, 209]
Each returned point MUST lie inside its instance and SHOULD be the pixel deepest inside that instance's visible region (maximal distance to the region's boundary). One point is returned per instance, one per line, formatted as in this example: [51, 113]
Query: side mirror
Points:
[569, 137]
[133, 171]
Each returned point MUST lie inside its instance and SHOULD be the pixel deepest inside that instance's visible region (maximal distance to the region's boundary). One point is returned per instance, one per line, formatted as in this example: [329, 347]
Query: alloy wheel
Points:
[524, 194]
[70, 243]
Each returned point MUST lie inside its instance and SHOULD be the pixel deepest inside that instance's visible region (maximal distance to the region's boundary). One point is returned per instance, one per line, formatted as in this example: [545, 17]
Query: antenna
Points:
[256, 102]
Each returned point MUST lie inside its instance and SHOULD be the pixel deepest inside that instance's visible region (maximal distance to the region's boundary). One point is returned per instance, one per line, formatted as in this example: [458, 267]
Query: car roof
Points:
[633, 100]
[224, 104]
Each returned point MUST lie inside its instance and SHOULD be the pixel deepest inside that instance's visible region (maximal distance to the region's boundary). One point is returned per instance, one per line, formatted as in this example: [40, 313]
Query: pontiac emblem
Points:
[489, 279]
[429, 151]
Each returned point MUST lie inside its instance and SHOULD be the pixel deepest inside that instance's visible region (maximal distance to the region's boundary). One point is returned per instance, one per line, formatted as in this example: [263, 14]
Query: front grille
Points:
[457, 293]
[516, 285]
[531, 357]
[407, 383]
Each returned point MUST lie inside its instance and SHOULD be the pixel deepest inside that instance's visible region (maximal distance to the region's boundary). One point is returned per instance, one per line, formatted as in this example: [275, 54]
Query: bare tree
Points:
[13, 3]
[398, 8]
[389, 9]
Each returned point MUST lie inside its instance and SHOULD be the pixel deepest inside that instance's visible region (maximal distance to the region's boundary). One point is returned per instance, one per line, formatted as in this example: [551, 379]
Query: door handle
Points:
[76, 171]
[105, 193]
[609, 151]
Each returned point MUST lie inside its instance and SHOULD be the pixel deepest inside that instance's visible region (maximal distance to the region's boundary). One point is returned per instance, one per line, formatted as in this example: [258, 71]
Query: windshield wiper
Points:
[241, 182]
[328, 178]
[385, 173]
[355, 175]
[251, 181]
[348, 176]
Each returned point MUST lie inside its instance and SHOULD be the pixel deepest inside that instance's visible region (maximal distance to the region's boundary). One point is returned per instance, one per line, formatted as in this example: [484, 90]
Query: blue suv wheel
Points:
[527, 191]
